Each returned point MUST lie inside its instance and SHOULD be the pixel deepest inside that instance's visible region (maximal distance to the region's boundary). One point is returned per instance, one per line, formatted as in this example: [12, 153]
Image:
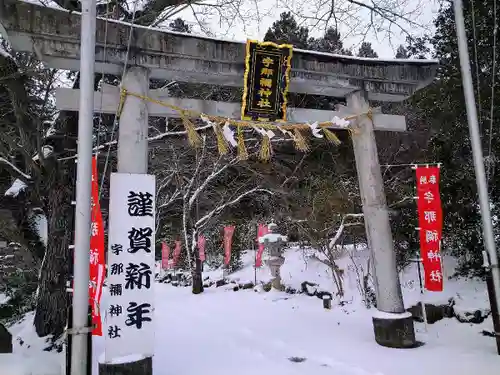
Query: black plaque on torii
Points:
[267, 77]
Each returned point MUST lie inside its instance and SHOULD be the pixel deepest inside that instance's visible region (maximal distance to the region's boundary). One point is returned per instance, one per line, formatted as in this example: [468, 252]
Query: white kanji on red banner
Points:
[430, 223]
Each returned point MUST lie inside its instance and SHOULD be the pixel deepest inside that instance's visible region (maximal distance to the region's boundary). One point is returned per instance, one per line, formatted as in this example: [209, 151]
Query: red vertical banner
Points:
[97, 255]
[177, 252]
[165, 253]
[262, 231]
[430, 218]
[201, 247]
[228, 239]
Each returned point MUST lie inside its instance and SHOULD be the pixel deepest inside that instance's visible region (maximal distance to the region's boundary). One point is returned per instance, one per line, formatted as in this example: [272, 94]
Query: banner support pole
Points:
[422, 296]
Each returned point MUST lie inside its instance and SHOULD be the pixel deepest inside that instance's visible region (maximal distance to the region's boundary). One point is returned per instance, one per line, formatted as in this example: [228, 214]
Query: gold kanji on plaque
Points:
[267, 71]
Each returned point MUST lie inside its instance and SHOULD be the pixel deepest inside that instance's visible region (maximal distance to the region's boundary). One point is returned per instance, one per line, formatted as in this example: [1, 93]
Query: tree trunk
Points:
[57, 267]
[197, 276]
[52, 301]
[57, 181]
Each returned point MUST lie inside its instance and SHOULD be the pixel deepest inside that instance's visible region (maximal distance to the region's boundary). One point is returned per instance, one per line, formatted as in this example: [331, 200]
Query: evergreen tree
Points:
[180, 26]
[401, 53]
[418, 48]
[442, 108]
[347, 52]
[331, 42]
[366, 50]
[287, 31]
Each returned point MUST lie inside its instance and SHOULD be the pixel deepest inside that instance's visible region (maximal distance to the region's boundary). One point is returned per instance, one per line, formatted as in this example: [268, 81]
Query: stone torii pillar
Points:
[133, 157]
[133, 129]
[393, 326]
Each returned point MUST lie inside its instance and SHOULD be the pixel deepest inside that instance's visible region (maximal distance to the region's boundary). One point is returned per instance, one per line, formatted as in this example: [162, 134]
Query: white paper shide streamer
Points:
[229, 135]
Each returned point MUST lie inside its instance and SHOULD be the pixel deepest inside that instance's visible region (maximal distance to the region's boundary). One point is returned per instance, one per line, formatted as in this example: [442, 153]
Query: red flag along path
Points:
[228, 238]
[165, 253]
[201, 247]
[97, 255]
[430, 218]
[262, 231]
[177, 252]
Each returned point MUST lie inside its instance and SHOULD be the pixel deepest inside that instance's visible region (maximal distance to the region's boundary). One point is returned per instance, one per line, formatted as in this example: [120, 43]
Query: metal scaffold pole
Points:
[477, 153]
[83, 191]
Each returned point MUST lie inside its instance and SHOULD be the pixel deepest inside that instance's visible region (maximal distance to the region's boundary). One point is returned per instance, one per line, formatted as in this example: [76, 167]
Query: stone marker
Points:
[275, 244]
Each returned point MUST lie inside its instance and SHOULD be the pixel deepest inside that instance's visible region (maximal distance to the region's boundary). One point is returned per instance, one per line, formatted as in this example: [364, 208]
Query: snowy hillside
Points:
[275, 333]
[301, 266]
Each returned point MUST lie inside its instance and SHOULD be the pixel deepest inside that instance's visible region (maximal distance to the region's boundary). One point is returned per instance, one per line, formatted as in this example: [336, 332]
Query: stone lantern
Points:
[274, 244]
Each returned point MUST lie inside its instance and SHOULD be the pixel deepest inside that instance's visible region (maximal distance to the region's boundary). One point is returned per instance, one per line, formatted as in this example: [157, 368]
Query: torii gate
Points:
[54, 35]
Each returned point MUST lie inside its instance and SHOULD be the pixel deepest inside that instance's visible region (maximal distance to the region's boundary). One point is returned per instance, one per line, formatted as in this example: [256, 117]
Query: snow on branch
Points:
[46, 152]
[176, 195]
[161, 136]
[150, 139]
[216, 172]
[5, 161]
[173, 197]
[335, 239]
[341, 228]
[198, 167]
[16, 187]
[222, 207]
[5, 54]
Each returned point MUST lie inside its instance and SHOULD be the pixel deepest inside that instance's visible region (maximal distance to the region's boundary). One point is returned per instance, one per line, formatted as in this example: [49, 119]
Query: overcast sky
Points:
[246, 25]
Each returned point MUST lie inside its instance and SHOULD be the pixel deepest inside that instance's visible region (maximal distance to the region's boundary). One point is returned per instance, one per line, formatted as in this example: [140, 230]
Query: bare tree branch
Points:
[219, 209]
[15, 169]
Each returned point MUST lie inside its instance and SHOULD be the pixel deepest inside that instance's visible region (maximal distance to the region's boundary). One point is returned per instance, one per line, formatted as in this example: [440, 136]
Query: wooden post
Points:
[327, 302]
[422, 298]
[254, 264]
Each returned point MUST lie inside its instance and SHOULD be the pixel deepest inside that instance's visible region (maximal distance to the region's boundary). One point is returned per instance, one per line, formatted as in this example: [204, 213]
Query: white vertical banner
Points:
[129, 325]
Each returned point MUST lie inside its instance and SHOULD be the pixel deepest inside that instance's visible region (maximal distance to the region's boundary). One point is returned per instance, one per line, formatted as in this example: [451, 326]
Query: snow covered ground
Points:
[225, 332]
[29, 357]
